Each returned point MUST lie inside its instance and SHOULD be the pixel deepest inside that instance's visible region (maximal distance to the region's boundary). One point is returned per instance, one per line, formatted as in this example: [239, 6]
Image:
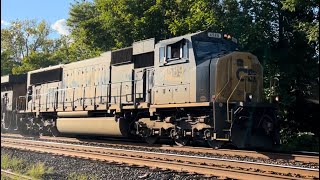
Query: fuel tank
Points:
[100, 126]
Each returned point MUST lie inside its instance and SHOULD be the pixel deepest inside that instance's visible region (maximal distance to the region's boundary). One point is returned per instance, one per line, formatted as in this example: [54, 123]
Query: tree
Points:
[7, 63]
[24, 40]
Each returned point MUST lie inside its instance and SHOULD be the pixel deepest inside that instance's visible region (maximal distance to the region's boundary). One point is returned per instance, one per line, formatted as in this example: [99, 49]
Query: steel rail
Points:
[189, 149]
[197, 164]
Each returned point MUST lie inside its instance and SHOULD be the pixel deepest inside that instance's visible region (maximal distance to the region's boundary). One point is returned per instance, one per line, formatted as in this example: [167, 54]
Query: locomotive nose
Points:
[238, 78]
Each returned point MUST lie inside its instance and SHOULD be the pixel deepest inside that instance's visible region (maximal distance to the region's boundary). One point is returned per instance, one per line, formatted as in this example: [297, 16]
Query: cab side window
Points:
[161, 55]
[172, 52]
[185, 49]
[177, 50]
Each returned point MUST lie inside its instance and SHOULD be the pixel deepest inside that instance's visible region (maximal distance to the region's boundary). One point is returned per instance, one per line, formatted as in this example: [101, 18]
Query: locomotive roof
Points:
[47, 68]
[175, 39]
[103, 57]
[13, 78]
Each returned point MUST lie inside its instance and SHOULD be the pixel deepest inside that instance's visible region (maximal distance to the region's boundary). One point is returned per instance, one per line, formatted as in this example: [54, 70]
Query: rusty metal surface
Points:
[211, 166]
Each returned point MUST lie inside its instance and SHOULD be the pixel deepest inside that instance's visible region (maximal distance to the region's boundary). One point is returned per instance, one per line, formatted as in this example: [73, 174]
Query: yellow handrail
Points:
[234, 91]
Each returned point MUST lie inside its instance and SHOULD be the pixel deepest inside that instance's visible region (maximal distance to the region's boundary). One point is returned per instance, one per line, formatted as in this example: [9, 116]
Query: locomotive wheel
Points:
[181, 141]
[214, 144]
[151, 139]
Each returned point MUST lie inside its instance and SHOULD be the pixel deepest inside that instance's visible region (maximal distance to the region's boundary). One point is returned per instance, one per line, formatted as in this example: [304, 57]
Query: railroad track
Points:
[217, 167]
[206, 152]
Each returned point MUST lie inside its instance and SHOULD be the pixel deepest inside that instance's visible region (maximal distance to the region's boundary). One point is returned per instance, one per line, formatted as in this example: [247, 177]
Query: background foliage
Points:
[283, 34]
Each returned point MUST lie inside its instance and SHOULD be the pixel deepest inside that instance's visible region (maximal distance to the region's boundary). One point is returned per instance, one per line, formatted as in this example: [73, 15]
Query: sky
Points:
[55, 12]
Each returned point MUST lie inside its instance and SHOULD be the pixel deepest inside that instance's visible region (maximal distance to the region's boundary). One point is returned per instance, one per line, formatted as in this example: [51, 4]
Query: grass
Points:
[38, 170]
[19, 166]
[12, 163]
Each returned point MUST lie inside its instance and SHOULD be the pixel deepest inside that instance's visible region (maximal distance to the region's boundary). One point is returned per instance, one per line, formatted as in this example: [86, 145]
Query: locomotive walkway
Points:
[217, 167]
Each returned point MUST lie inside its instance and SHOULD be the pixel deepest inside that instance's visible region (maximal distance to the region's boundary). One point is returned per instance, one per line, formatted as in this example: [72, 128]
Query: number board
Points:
[214, 35]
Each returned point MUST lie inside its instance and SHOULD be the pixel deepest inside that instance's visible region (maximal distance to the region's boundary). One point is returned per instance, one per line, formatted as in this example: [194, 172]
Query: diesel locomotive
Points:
[196, 87]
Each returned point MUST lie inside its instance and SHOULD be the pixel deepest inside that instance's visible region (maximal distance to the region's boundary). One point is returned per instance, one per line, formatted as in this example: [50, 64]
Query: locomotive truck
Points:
[196, 87]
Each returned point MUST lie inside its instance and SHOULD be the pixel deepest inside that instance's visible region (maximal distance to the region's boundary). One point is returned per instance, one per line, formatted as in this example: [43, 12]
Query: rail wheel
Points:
[214, 143]
[151, 139]
[181, 141]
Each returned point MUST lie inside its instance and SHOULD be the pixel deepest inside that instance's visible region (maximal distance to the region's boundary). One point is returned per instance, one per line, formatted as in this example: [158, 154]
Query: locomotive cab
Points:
[206, 69]
[236, 81]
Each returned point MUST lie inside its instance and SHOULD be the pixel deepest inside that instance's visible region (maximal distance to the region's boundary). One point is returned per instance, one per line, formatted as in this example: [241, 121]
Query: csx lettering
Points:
[248, 72]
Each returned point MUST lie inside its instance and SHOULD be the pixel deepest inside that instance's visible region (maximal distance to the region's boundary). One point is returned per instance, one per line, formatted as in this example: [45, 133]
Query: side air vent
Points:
[143, 60]
[52, 75]
[121, 56]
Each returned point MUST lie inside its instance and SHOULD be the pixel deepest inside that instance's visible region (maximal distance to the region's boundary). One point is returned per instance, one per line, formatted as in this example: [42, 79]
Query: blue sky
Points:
[55, 12]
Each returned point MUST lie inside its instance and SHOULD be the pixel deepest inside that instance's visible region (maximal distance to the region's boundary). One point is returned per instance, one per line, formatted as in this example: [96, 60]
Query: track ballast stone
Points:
[64, 166]
[157, 150]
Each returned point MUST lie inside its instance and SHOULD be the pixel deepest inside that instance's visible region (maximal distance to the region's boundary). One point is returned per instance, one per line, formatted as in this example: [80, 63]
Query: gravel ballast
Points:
[64, 166]
[155, 149]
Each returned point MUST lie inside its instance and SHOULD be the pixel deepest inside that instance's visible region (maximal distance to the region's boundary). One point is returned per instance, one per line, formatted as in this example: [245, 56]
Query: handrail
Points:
[166, 85]
[241, 77]
[56, 89]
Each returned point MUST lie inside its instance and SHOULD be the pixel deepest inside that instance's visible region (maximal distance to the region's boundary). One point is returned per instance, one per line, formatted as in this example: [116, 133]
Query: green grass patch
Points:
[38, 170]
[19, 166]
[12, 163]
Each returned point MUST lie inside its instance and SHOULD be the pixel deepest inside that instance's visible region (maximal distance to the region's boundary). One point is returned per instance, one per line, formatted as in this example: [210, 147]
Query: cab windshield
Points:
[209, 49]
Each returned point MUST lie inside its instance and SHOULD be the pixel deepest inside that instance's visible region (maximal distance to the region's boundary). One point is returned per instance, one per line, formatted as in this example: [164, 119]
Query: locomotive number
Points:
[214, 35]
[175, 73]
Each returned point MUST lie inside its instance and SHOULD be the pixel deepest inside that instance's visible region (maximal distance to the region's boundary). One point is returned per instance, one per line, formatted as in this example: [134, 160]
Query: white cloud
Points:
[61, 27]
[5, 23]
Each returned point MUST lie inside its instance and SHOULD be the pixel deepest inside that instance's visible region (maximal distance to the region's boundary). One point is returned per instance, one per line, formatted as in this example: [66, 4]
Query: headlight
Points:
[276, 98]
[249, 97]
